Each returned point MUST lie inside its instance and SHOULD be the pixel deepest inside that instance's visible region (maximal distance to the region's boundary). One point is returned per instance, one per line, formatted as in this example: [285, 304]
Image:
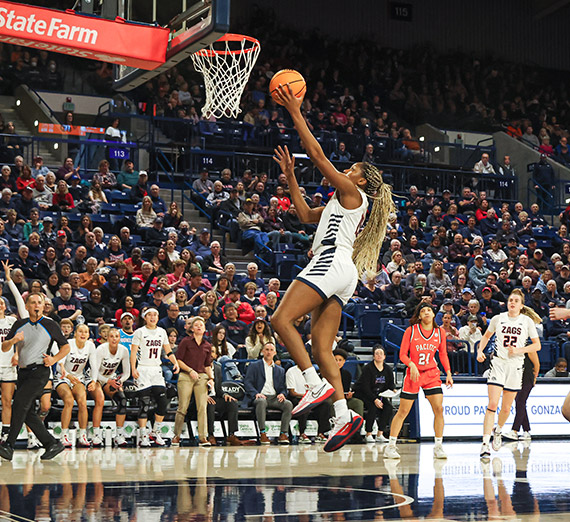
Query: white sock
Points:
[393, 441]
[340, 407]
[65, 431]
[486, 439]
[120, 430]
[156, 427]
[311, 377]
[82, 431]
[438, 441]
[97, 431]
[498, 429]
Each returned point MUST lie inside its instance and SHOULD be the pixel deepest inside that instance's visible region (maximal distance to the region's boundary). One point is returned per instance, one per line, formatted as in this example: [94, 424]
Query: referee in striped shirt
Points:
[33, 338]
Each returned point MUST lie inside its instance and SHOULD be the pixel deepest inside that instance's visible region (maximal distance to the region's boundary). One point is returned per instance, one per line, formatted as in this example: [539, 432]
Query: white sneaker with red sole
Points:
[314, 396]
[343, 429]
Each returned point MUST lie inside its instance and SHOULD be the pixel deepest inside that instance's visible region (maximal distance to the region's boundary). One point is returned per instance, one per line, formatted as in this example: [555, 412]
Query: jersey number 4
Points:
[424, 358]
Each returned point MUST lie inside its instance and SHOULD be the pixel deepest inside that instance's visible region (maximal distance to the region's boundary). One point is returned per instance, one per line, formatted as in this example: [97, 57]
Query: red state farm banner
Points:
[114, 41]
[72, 130]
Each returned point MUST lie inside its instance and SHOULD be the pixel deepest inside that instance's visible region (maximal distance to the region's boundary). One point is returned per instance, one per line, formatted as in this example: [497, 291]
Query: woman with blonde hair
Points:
[512, 329]
[145, 215]
[342, 253]
[437, 278]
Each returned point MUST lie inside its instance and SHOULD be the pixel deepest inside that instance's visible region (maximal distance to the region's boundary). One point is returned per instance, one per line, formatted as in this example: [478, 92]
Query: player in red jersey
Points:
[420, 343]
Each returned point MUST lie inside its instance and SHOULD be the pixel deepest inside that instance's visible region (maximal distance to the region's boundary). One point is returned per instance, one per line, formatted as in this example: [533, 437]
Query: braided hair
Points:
[369, 241]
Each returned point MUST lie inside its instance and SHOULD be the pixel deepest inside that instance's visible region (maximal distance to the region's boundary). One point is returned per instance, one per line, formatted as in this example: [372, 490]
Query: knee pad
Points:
[121, 403]
[161, 402]
[144, 406]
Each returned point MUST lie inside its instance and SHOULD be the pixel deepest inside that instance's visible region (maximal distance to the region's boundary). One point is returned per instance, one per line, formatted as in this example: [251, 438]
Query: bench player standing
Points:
[146, 352]
[512, 329]
[421, 341]
[108, 357]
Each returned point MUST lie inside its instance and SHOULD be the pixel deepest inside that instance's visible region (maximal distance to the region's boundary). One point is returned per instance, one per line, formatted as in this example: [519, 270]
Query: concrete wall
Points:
[521, 155]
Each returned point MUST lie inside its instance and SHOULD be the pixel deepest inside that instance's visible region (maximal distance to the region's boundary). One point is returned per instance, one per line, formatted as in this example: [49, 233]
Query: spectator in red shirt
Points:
[62, 198]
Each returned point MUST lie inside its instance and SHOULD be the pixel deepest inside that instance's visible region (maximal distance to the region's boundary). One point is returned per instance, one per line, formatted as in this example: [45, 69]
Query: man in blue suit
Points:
[265, 388]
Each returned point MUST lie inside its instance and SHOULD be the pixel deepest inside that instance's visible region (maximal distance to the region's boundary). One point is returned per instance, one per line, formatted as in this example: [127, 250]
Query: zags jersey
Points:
[5, 327]
[150, 343]
[107, 363]
[75, 361]
[420, 350]
[512, 332]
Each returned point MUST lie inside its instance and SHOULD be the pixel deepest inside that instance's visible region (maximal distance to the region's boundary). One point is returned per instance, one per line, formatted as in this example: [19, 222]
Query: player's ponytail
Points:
[368, 243]
[529, 312]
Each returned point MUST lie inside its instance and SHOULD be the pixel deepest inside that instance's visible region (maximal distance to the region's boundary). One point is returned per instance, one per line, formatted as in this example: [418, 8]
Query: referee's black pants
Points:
[30, 386]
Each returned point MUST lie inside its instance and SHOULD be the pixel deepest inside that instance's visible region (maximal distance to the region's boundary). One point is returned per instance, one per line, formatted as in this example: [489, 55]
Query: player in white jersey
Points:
[8, 371]
[71, 381]
[146, 353]
[342, 253]
[512, 329]
[109, 357]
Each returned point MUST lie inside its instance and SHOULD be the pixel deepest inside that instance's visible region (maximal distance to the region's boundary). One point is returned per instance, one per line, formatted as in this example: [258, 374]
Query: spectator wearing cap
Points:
[478, 272]
[201, 246]
[156, 236]
[563, 277]
[113, 293]
[25, 204]
[416, 298]
[173, 320]
[292, 224]
[94, 310]
[38, 167]
[471, 333]
[537, 303]
[474, 308]
[491, 282]
[156, 300]
[531, 247]
[245, 310]
[236, 330]
[489, 306]
[537, 261]
[249, 222]
[140, 189]
[447, 308]
[216, 197]
[203, 185]
[128, 177]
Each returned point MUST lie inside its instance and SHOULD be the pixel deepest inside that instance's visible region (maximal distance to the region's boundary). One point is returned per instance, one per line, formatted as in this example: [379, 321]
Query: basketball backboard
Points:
[194, 24]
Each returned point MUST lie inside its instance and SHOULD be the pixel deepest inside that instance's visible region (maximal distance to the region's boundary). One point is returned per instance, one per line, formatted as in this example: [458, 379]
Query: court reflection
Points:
[257, 484]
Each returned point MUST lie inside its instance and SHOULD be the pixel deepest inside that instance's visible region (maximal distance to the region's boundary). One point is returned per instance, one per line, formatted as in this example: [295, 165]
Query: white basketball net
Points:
[225, 74]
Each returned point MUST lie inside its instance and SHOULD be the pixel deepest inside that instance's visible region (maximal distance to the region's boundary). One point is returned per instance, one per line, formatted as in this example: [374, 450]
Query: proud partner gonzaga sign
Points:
[114, 41]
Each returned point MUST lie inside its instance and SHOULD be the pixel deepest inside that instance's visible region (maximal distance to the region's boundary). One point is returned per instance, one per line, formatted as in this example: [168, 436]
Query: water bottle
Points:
[108, 437]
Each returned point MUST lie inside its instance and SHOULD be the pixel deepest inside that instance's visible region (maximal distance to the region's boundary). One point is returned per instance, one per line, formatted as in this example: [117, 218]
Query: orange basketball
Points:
[291, 77]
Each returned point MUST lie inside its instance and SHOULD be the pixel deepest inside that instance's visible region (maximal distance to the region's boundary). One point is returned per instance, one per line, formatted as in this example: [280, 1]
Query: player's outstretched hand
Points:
[285, 160]
[559, 314]
[481, 357]
[285, 96]
[7, 270]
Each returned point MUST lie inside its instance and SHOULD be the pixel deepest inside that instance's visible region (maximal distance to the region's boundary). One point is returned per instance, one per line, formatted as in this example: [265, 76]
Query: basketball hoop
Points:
[226, 66]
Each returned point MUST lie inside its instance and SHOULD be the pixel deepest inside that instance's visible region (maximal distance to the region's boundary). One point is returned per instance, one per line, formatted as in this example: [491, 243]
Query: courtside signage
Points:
[114, 41]
[465, 404]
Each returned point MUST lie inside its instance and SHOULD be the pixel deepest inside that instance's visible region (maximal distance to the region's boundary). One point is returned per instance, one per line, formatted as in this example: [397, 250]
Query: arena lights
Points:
[18, 103]
[36, 123]
[436, 149]
[55, 146]
[422, 138]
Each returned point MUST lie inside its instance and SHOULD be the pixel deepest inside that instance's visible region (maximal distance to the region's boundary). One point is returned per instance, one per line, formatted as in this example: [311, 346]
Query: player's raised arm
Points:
[314, 150]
